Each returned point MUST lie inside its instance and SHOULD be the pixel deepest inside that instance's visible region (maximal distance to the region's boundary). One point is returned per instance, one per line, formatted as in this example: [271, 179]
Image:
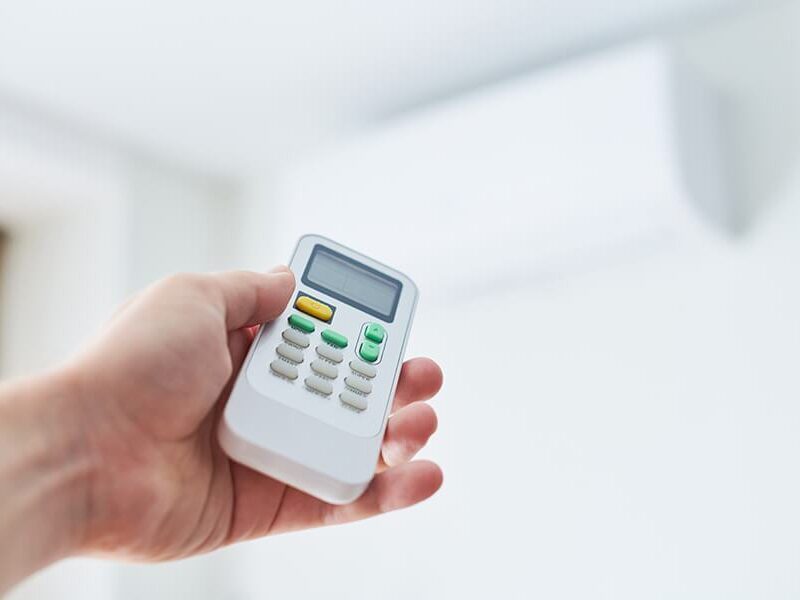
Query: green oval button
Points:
[369, 351]
[375, 333]
[301, 323]
[334, 338]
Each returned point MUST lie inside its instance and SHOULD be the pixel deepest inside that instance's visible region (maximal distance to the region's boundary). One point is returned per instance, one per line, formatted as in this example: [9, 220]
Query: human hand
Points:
[150, 392]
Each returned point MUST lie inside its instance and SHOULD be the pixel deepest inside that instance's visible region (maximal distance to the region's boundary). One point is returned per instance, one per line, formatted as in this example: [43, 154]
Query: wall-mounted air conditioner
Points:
[556, 171]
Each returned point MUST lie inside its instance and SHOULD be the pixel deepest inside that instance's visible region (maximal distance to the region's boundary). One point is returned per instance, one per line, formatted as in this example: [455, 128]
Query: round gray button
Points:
[365, 387]
[363, 368]
[295, 337]
[325, 369]
[318, 384]
[284, 369]
[290, 353]
[354, 400]
[332, 354]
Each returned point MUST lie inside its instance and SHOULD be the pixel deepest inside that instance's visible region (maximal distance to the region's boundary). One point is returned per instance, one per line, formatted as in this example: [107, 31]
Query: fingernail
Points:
[279, 269]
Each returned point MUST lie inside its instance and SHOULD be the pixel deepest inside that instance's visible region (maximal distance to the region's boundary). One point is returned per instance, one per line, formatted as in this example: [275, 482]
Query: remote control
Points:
[310, 403]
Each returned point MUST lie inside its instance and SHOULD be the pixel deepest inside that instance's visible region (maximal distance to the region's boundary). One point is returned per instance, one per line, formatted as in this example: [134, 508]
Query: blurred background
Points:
[600, 202]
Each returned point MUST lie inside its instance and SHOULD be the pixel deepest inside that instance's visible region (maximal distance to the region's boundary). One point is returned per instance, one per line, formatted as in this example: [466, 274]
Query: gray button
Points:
[354, 400]
[365, 387]
[295, 337]
[318, 384]
[363, 368]
[284, 369]
[323, 368]
[332, 354]
[290, 353]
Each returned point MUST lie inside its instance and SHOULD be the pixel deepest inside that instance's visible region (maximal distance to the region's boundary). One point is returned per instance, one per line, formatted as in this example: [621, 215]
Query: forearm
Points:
[43, 470]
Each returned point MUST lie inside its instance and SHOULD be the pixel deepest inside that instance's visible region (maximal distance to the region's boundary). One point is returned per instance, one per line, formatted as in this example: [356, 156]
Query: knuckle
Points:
[194, 282]
[179, 280]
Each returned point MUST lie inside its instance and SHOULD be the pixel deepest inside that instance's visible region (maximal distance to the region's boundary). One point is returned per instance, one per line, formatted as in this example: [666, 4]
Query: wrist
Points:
[45, 468]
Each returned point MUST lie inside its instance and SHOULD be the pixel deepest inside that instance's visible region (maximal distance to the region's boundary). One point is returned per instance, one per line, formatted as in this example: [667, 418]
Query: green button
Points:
[375, 333]
[301, 323]
[369, 351]
[334, 338]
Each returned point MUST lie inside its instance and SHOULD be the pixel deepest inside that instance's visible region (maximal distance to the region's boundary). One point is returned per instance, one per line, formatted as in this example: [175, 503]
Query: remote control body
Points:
[310, 403]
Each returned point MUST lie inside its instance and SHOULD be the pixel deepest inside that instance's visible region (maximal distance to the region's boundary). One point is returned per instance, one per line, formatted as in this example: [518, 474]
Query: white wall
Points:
[63, 207]
[627, 431]
[46, 317]
[88, 223]
[641, 441]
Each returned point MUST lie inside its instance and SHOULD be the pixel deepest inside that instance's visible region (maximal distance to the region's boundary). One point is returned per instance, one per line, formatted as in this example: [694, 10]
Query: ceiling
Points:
[238, 86]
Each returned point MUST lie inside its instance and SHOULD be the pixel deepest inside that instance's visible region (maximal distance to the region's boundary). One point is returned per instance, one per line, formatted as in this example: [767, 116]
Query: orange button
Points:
[312, 307]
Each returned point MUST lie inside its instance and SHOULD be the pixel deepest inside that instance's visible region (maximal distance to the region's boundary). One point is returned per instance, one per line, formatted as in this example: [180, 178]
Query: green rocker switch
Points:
[369, 351]
[375, 333]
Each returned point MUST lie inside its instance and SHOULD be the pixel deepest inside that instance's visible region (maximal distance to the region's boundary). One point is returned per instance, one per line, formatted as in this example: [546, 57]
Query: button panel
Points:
[321, 376]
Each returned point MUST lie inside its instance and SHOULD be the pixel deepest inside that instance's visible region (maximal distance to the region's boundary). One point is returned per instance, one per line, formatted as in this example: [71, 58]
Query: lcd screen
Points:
[352, 282]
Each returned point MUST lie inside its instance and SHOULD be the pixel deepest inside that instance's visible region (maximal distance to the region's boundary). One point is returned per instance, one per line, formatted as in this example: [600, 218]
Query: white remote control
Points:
[310, 403]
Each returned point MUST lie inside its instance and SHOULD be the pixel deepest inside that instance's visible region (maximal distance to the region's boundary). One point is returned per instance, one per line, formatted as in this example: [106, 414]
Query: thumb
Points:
[250, 298]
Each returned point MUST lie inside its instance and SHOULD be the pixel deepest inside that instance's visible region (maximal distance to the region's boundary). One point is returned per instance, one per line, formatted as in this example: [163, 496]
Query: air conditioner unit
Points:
[556, 171]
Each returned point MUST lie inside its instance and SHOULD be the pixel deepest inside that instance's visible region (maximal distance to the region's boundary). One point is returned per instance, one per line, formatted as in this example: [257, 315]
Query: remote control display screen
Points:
[348, 280]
